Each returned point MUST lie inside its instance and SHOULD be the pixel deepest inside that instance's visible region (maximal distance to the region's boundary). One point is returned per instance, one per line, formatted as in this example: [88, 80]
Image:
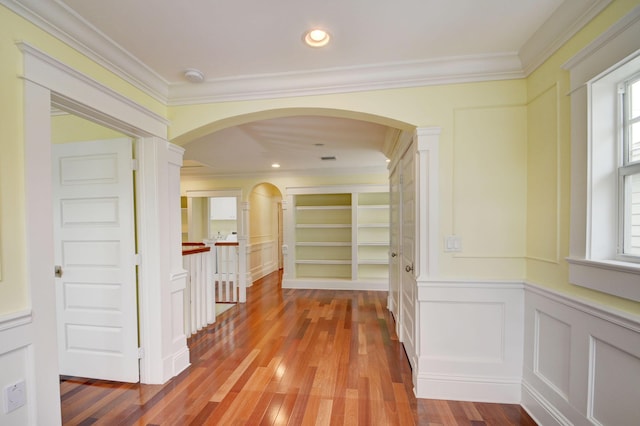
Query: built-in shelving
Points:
[372, 235]
[340, 236]
[323, 235]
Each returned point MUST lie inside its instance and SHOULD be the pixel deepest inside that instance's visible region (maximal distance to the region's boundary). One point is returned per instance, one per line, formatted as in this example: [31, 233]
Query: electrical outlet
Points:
[14, 396]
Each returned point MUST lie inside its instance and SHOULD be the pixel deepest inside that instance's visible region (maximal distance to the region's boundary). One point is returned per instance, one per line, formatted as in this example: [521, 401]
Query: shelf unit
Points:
[323, 236]
[372, 235]
[340, 236]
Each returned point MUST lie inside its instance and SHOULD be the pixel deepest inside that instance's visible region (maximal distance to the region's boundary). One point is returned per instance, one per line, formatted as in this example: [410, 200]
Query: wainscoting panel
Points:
[16, 364]
[178, 358]
[470, 341]
[552, 356]
[263, 259]
[581, 361]
[614, 371]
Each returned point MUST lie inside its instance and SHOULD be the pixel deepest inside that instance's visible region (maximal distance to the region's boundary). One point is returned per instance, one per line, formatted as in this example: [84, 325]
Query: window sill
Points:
[618, 278]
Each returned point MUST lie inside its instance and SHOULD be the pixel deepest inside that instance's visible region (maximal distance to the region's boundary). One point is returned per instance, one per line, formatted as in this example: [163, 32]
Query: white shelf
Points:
[322, 225]
[323, 244]
[323, 207]
[372, 262]
[374, 206]
[341, 235]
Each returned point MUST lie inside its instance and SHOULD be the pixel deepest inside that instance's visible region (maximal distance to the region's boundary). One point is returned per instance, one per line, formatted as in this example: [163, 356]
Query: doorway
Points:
[94, 250]
[47, 82]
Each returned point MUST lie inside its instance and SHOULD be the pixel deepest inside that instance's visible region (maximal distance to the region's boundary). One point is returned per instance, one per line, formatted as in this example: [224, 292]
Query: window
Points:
[604, 250]
[629, 170]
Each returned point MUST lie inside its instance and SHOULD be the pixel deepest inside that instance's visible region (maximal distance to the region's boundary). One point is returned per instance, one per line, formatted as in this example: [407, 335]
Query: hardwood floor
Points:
[293, 357]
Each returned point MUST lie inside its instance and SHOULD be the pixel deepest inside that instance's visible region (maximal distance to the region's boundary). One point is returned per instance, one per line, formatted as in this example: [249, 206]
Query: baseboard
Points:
[335, 284]
[541, 410]
[181, 361]
[478, 389]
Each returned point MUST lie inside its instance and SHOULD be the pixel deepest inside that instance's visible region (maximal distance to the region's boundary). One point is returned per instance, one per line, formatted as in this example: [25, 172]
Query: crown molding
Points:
[191, 173]
[61, 22]
[566, 21]
[64, 24]
[449, 70]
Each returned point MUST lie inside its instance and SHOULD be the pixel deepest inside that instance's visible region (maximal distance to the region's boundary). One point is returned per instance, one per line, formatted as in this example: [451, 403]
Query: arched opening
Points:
[265, 230]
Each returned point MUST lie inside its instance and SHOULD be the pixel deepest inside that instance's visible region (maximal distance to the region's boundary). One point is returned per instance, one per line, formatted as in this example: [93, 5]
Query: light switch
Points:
[452, 243]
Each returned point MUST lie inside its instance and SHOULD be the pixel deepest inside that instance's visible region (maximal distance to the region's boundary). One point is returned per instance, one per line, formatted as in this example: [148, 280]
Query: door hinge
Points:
[137, 259]
[134, 164]
[140, 353]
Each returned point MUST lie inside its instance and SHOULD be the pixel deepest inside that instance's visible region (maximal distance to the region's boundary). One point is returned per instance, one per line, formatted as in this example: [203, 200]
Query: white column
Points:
[161, 276]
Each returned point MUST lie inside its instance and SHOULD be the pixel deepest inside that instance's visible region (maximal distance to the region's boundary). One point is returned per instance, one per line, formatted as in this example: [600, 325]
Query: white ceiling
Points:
[253, 49]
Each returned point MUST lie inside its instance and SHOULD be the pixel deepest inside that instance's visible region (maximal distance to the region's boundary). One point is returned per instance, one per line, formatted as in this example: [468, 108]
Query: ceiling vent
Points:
[327, 158]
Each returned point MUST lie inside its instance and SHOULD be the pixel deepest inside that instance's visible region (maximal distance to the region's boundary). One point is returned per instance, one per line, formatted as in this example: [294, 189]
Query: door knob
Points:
[408, 268]
[57, 271]
[394, 254]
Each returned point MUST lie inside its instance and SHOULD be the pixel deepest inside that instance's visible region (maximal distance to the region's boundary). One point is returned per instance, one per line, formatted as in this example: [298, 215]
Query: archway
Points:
[265, 230]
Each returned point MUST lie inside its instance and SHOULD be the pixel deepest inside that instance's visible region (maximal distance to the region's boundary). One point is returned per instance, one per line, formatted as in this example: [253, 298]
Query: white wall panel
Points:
[470, 341]
[581, 361]
[475, 331]
[16, 365]
[614, 391]
[553, 352]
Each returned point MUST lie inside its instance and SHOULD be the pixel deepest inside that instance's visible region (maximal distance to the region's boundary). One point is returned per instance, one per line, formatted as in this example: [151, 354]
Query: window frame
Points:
[594, 260]
[626, 168]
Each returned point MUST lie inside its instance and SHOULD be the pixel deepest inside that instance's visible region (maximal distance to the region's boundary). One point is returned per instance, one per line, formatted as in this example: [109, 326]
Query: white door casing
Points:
[395, 197]
[408, 286]
[94, 238]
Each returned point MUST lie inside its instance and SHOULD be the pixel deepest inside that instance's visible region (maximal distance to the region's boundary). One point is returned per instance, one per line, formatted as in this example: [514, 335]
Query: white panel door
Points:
[94, 234]
[394, 243]
[408, 285]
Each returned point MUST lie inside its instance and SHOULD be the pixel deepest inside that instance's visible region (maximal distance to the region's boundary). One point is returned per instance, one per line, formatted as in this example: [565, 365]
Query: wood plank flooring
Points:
[286, 357]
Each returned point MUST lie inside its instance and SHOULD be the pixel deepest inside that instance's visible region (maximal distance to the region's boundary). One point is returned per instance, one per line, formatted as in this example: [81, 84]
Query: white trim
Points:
[39, 240]
[109, 106]
[446, 70]
[468, 388]
[592, 207]
[541, 410]
[336, 284]
[621, 318]
[594, 48]
[559, 384]
[61, 22]
[15, 319]
[336, 189]
[558, 29]
[428, 202]
[46, 79]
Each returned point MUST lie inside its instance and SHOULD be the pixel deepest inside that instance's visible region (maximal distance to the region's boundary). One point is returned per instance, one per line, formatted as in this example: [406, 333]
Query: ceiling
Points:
[250, 49]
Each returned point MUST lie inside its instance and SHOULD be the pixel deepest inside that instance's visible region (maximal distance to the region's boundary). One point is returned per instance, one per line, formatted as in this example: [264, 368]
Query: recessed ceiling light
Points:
[275, 165]
[316, 37]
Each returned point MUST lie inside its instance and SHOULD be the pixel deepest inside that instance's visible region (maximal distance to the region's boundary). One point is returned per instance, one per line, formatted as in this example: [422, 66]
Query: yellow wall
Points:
[263, 210]
[14, 292]
[504, 158]
[549, 164]
[482, 162]
[71, 128]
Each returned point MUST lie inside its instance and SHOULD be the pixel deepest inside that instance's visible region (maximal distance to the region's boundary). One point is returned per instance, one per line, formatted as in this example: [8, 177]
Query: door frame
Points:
[49, 82]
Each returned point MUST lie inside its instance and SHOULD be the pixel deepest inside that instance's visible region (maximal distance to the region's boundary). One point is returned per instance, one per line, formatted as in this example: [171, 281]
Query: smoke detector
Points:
[194, 75]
